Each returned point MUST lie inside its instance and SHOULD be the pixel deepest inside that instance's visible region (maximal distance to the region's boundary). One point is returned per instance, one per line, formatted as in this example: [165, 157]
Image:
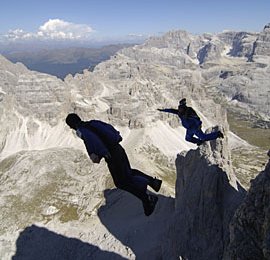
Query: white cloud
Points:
[18, 34]
[59, 29]
[54, 29]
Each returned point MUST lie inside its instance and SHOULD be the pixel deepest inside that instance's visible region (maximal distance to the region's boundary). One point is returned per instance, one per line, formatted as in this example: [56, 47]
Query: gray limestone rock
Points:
[32, 94]
[250, 226]
[211, 51]
[207, 195]
[242, 45]
[262, 44]
[126, 91]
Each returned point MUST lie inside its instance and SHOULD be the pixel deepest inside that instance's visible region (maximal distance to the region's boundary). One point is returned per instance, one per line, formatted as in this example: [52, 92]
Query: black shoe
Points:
[200, 142]
[220, 134]
[149, 207]
[155, 184]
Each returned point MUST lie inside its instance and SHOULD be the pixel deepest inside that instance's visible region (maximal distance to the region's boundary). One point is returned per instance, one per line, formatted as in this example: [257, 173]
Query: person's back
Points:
[189, 117]
[106, 132]
[96, 136]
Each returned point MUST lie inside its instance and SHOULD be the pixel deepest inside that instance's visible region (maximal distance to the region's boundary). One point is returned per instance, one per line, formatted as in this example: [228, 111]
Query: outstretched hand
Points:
[159, 109]
[95, 158]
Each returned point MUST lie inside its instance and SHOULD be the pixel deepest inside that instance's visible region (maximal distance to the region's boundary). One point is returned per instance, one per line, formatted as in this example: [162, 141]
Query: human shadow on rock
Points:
[124, 217]
[40, 243]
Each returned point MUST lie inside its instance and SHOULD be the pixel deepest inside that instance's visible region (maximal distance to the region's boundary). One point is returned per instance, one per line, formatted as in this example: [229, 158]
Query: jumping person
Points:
[191, 121]
[102, 141]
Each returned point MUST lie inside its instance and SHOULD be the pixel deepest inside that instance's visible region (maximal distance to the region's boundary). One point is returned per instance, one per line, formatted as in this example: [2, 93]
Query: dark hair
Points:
[73, 120]
[183, 102]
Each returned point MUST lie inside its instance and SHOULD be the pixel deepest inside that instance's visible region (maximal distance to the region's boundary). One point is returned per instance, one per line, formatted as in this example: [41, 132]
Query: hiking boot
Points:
[155, 184]
[220, 134]
[149, 207]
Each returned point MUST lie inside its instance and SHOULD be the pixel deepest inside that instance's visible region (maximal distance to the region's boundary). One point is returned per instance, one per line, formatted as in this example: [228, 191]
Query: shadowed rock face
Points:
[40, 243]
[207, 195]
[250, 226]
[262, 44]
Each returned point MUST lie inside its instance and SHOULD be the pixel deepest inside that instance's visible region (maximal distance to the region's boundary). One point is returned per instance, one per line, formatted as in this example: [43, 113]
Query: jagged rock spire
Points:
[250, 227]
[207, 195]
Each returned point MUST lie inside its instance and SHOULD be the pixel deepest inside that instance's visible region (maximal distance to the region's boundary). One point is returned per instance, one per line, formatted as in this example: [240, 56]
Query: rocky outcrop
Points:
[41, 96]
[250, 226]
[57, 186]
[211, 51]
[179, 40]
[207, 195]
[248, 87]
[242, 45]
[32, 104]
[262, 44]
[32, 94]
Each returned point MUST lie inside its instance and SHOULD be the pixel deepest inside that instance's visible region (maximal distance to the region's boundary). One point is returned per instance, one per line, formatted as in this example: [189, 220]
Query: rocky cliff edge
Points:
[207, 196]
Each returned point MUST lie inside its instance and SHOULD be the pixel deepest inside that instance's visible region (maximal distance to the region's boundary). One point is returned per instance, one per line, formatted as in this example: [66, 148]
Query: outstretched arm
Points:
[169, 110]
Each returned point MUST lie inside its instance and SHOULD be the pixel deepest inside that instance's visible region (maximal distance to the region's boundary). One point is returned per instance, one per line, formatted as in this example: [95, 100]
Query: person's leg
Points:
[154, 183]
[136, 172]
[207, 137]
[190, 138]
[118, 164]
[131, 188]
[121, 172]
[138, 186]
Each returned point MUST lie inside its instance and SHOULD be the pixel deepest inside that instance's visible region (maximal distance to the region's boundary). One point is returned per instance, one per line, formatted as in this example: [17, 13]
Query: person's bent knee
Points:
[188, 138]
[202, 137]
[123, 186]
[119, 185]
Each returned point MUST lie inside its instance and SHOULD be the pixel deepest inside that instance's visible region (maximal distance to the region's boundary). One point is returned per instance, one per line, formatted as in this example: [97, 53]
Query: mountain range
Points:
[56, 204]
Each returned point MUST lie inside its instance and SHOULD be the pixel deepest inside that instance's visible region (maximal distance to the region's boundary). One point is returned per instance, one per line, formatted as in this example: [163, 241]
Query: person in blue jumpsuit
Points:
[191, 121]
[124, 177]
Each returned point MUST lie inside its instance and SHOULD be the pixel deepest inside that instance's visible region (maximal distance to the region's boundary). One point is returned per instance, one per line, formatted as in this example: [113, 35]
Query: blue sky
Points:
[119, 18]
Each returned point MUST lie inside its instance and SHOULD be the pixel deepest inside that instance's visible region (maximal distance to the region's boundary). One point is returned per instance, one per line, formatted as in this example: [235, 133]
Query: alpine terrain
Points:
[56, 204]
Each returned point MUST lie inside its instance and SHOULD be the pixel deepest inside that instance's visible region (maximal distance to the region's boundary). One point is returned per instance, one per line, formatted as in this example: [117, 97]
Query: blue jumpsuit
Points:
[193, 124]
[124, 177]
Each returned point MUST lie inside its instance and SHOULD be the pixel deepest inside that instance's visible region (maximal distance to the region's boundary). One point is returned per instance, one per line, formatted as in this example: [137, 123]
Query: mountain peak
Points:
[206, 198]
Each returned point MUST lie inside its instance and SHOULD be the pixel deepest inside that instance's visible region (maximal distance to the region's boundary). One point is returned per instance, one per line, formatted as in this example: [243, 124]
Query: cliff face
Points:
[262, 44]
[250, 227]
[127, 90]
[207, 195]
